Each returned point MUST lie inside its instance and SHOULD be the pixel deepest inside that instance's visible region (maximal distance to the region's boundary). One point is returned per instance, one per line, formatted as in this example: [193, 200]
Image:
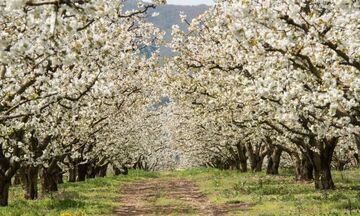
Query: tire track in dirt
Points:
[179, 197]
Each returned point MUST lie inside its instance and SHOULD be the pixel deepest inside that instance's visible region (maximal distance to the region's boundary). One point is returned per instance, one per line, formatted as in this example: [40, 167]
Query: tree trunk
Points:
[340, 164]
[242, 157]
[72, 175]
[303, 167]
[4, 192]
[256, 163]
[60, 178]
[81, 172]
[257, 156]
[125, 170]
[17, 179]
[307, 170]
[269, 168]
[29, 180]
[322, 165]
[243, 165]
[49, 181]
[91, 171]
[357, 155]
[274, 161]
[7, 171]
[323, 178]
[297, 165]
[117, 171]
[102, 171]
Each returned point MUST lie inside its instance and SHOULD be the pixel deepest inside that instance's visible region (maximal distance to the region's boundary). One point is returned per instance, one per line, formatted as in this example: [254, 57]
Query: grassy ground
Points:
[93, 197]
[279, 195]
[270, 195]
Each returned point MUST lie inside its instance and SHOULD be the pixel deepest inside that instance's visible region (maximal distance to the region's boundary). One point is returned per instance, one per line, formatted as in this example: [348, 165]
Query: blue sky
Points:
[188, 2]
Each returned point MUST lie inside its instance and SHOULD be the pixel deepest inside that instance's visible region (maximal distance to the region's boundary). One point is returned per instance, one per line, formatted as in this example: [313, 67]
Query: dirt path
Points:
[170, 197]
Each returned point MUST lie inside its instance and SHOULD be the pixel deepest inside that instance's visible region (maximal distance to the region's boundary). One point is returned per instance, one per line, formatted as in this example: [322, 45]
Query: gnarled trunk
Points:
[72, 175]
[117, 171]
[29, 180]
[49, 180]
[91, 171]
[303, 167]
[340, 164]
[274, 161]
[322, 164]
[81, 172]
[243, 165]
[323, 178]
[307, 169]
[357, 155]
[256, 163]
[60, 178]
[8, 169]
[4, 191]
[123, 171]
[256, 157]
[101, 171]
[241, 149]
[17, 179]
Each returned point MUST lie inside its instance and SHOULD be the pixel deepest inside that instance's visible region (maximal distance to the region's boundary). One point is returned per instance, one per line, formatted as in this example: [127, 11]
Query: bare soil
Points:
[171, 197]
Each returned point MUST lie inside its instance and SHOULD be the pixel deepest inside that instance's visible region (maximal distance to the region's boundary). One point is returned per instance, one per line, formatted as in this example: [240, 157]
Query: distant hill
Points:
[169, 16]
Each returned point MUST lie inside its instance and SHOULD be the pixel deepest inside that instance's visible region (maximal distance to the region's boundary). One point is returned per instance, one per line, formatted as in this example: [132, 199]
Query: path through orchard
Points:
[170, 197]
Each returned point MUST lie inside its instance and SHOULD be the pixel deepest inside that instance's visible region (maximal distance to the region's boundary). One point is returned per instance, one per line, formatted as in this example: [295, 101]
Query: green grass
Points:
[93, 197]
[272, 195]
[278, 195]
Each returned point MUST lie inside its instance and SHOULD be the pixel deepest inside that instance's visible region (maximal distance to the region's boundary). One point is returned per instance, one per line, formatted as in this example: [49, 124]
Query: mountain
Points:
[169, 16]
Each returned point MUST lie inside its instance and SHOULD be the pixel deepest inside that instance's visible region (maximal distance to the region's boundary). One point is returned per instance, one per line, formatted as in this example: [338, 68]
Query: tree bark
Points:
[17, 179]
[322, 164]
[81, 172]
[72, 175]
[49, 180]
[340, 164]
[7, 171]
[297, 165]
[243, 166]
[270, 165]
[241, 149]
[357, 155]
[323, 178]
[303, 166]
[256, 163]
[91, 171]
[125, 170]
[29, 180]
[257, 156]
[4, 192]
[101, 172]
[306, 170]
[274, 161]
[117, 171]
[60, 178]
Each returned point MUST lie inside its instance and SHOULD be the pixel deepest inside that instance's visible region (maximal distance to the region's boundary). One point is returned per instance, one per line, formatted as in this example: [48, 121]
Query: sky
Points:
[189, 2]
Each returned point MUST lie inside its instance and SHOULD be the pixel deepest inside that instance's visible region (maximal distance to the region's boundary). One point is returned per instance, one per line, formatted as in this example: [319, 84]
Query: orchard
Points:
[252, 85]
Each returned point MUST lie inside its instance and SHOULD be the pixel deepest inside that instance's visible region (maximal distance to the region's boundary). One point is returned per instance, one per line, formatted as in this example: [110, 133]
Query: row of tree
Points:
[73, 89]
[79, 89]
[258, 78]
